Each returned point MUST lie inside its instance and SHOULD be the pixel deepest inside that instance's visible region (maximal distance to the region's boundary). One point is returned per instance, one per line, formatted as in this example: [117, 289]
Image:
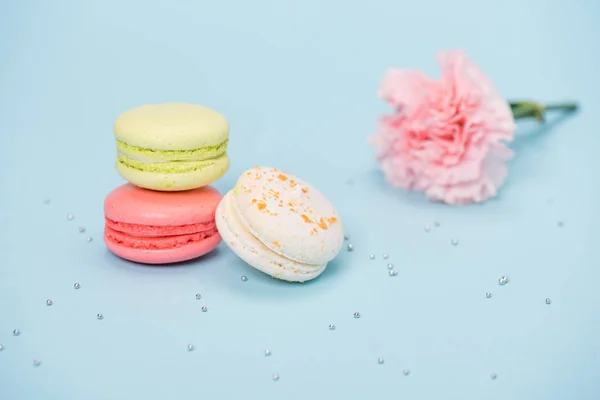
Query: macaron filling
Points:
[150, 237]
[157, 155]
[177, 167]
[154, 230]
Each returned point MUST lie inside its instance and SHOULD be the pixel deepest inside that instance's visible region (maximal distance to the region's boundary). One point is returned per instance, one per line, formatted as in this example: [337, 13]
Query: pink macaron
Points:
[152, 227]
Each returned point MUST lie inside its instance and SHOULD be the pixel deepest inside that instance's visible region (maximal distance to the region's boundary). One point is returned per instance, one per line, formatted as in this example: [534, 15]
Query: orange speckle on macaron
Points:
[306, 219]
[322, 224]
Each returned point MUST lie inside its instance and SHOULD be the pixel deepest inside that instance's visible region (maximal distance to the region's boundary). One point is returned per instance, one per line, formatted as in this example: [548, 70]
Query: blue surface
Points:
[297, 80]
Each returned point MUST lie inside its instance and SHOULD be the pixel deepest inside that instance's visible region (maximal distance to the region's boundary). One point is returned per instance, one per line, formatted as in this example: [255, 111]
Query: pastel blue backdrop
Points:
[298, 80]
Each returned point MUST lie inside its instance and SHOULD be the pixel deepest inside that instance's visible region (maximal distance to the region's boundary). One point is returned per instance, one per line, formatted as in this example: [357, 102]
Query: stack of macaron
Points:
[167, 213]
[169, 154]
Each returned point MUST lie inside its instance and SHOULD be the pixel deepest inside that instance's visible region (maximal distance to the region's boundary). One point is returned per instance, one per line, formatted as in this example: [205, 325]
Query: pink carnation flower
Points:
[445, 137]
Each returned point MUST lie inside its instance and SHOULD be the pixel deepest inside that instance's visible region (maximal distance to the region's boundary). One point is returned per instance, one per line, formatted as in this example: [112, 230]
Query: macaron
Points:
[280, 224]
[153, 227]
[171, 147]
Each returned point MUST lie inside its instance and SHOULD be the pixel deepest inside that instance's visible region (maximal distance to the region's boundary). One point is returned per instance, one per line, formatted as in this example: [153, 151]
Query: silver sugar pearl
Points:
[503, 280]
[244, 278]
[454, 242]
[46, 201]
[198, 296]
[70, 216]
[392, 272]
[190, 347]
[488, 295]
[275, 377]
[493, 375]
[204, 309]
[89, 239]
[331, 326]
[350, 247]
[390, 266]
[346, 237]
[1, 347]
[99, 316]
[267, 352]
[385, 256]
[560, 224]
[48, 302]
[81, 229]
[548, 301]
[427, 228]
[77, 285]
[36, 363]
[380, 360]
[372, 256]
[405, 371]
[16, 332]
[436, 223]
[357, 315]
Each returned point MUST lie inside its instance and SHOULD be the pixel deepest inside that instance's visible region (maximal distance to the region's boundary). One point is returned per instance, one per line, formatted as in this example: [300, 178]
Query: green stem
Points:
[530, 109]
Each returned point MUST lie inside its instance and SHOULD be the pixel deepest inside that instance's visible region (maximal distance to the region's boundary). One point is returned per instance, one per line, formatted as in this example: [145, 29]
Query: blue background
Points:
[297, 79]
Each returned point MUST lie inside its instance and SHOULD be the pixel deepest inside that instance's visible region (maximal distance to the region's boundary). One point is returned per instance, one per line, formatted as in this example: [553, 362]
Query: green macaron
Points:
[172, 147]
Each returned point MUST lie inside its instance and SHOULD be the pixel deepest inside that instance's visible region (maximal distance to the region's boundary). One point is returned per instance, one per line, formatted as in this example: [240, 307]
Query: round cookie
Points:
[171, 147]
[280, 224]
[153, 227]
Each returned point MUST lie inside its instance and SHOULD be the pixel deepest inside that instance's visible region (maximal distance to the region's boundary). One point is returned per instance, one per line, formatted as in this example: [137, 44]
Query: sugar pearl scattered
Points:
[48, 302]
[405, 371]
[267, 352]
[436, 223]
[561, 224]
[503, 280]
[350, 247]
[390, 266]
[46, 201]
[357, 315]
[198, 296]
[346, 237]
[36, 363]
[16, 332]
[385, 256]
[493, 375]
[331, 326]
[77, 285]
[190, 347]
[275, 377]
[70, 216]
[244, 278]
[380, 360]
[427, 228]
[1, 347]
[204, 309]
[548, 301]
[81, 229]
[454, 242]
[392, 272]
[488, 295]
[372, 256]
[99, 316]
[89, 239]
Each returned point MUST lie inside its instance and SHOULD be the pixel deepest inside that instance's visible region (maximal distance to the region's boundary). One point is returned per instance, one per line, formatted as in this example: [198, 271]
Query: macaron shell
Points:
[171, 126]
[208, 172]
[166, 256]
[288, 215]
[134, 205]
[255, 253]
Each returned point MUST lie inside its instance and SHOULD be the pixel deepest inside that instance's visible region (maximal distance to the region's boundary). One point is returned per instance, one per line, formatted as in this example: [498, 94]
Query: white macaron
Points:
[280, 225]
